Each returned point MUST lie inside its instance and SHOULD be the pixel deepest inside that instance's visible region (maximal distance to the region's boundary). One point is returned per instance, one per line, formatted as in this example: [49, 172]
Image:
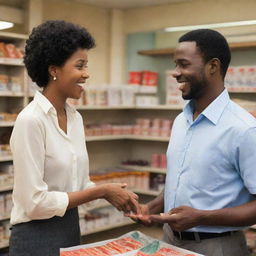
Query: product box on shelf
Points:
[241, 79]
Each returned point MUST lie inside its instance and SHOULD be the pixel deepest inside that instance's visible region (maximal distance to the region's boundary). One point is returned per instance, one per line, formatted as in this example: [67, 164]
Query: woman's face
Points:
[73, 74]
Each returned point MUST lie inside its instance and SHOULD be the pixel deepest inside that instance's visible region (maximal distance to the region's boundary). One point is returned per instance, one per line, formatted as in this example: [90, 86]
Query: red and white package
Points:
[133, 243]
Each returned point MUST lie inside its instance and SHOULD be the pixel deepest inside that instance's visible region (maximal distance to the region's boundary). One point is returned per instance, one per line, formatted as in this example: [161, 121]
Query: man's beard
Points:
[196, 90]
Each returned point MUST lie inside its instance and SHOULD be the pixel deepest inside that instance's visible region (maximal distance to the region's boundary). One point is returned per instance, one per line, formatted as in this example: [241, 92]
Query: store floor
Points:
[154, 231]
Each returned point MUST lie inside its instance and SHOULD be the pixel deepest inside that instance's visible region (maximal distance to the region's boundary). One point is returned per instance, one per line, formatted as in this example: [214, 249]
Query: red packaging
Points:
[155, 160]
[163, 161]
[134, 77]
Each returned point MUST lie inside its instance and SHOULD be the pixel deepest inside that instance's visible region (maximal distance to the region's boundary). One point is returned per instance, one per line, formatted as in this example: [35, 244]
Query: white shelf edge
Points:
[4, 243]
[253, 227]
[11, 35]
[4, 218]
[11, 94]
[124, 137]
[102, 107]
[6, 188]
[155, 107]
[5, 158]
[146, 192]
[121, 224]
[6, 123]
[11, 62]
[143, 168]
[241, 90]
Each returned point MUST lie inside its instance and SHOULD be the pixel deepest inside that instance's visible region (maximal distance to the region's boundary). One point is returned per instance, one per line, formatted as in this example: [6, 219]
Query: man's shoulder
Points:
[240, 116]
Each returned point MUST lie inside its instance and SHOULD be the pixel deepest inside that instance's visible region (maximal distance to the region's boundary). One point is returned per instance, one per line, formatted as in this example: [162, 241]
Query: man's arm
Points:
[184, 217]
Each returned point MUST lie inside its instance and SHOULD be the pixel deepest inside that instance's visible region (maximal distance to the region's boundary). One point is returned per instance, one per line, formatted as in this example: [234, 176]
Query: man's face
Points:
[190, 70]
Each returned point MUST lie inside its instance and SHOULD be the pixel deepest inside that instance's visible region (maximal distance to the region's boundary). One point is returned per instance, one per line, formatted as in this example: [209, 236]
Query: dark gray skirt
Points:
[45, 237]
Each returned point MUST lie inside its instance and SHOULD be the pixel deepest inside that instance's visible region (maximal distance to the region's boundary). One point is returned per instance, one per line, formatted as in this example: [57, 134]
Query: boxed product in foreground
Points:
[133, 243]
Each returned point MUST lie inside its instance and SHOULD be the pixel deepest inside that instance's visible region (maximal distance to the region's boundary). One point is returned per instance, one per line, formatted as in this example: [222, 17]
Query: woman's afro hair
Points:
[52, 43]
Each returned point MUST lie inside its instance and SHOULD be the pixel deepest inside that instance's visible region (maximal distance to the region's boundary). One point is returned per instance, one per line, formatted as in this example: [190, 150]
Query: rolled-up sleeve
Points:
[30, 191]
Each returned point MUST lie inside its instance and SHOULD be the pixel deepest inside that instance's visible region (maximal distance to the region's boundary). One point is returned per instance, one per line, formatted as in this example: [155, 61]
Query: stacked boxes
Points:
[241, 78]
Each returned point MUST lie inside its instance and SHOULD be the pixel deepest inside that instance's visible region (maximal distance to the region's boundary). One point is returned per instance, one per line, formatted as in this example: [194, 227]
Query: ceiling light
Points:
[5, 25]
[214, 25]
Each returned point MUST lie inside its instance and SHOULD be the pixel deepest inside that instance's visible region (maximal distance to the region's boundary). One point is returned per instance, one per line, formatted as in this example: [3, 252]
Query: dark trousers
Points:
[45, 237]
[232, 245]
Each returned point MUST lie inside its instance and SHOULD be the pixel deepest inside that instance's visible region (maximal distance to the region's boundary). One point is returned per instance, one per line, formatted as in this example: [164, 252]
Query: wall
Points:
[188, 13]
[140, 35]
[97, 21]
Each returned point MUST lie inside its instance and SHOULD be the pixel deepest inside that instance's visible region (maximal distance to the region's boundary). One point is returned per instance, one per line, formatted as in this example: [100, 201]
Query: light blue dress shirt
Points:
[212, 160]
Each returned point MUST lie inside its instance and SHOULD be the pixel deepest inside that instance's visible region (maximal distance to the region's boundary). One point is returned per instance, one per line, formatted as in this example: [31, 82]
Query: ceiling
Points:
[124, 4]
[115, 4]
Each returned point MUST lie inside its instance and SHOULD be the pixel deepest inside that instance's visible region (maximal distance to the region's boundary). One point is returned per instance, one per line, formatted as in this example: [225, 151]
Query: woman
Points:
[50, 158]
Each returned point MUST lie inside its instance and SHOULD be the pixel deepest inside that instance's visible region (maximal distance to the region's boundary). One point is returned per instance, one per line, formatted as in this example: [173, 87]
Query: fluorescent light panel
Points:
[5, 25]
[214, 25]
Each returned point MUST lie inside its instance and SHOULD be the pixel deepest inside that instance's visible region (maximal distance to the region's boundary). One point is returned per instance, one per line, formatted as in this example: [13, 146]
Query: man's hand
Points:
[143, 217]
[180, 218]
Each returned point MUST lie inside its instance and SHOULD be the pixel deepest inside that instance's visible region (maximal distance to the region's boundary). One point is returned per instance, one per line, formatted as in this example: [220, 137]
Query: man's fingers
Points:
[162, 218]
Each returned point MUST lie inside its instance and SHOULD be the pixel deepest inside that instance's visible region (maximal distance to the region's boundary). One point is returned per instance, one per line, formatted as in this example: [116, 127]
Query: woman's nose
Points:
[85, 75]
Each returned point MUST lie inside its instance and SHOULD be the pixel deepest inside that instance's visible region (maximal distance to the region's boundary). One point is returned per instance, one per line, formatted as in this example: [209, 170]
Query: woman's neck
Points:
[57, 100]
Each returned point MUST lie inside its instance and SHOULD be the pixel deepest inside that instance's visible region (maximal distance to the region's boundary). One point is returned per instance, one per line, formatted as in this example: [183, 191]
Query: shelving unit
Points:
[170, 51]
[108, 227]
[144, 168]
[11, 101]
[126, 137]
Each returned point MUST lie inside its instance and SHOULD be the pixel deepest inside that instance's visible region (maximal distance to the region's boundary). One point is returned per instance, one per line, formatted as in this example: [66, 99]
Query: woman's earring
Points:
[54, 78]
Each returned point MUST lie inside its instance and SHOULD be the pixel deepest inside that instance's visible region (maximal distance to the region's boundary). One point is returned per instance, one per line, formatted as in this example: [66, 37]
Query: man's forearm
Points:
[243, 215]
[157, 205]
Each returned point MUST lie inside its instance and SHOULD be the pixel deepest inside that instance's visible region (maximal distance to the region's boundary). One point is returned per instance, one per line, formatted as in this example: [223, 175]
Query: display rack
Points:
[170, 51]
[11, 101]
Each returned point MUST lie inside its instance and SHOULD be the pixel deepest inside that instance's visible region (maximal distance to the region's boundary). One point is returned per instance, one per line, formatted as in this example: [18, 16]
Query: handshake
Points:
[179, 219]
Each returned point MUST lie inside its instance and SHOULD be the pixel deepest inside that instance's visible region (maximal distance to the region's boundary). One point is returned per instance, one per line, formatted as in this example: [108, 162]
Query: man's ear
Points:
[214, 66]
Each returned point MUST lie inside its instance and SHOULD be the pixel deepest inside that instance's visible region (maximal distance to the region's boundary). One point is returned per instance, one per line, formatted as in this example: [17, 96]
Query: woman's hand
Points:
[122, 199]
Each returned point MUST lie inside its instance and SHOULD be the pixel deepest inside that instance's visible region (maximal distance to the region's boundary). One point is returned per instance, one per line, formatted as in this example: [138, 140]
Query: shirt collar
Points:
[43, 102]
[46, 105]
[213, 112]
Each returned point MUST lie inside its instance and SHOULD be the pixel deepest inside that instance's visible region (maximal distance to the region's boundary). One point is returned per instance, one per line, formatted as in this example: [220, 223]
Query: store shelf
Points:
[4, 218]
[242, 90]
[253, 227]
[152, 107]
[11, 94]
[157, 52]
[6, 188]
[86, 107]
[126, 137]
[4, 243]
[170, 51]
[146, 192]
[6, 124]
[143, 168]
[11, 62]
[160, 107]
[5, 158]
[117, 225]
[15, 36]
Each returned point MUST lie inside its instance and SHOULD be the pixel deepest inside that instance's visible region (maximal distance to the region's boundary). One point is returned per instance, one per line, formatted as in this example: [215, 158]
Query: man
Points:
[211, 178]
